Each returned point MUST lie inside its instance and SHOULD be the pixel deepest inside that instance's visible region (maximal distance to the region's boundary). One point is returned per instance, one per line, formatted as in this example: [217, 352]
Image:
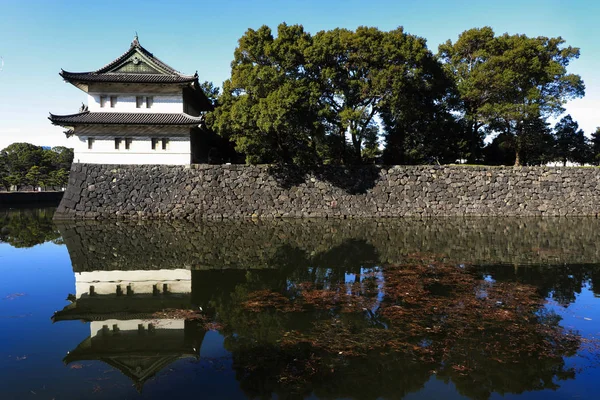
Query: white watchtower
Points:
[140, 111]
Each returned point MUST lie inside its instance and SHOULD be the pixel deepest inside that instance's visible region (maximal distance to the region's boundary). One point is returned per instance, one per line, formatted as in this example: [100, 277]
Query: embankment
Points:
[241, 191]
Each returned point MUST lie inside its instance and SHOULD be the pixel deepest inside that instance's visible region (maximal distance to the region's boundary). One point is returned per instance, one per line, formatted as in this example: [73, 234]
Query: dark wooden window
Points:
[154, 144]
[127, 144]
[139, 100]
[90, 143]
[165, 143]
[113, 101]
[149, 101]
[102, 101]
[117, 143]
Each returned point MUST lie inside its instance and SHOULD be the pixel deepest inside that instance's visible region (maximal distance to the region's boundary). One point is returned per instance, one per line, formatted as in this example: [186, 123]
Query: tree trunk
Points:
[342, 155]
[517, 158]
[357, 149]
[473, 142]
[518, 136]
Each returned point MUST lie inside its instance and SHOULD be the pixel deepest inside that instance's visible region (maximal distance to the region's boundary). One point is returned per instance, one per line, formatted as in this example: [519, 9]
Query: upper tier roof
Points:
[74, 77]
[118, 118]
[136, 65]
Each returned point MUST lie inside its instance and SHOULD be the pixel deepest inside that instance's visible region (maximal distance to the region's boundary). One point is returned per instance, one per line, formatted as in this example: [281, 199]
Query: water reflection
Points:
[27, 227]
[129, 328]
[268, 244]
[353, 309]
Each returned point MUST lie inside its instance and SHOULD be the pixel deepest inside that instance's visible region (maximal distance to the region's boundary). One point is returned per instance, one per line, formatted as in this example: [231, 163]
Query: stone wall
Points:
[239, 191]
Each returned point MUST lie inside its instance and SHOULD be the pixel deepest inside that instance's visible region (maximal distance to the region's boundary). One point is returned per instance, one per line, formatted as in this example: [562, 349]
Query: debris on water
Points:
[431, 316]
[175, 313]
[16, 316]
[13, 296]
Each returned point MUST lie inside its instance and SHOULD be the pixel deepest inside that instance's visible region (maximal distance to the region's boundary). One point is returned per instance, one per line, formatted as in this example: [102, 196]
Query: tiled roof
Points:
[117, 118]
[135, 45]
[125, 78]
[166, 74]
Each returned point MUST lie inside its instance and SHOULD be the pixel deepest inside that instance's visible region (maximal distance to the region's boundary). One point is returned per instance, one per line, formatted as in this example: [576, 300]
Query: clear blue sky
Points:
[38, 38]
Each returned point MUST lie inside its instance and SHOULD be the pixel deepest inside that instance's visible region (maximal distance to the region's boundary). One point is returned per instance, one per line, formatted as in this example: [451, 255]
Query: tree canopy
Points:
[359, 96]
[24, 164]
[571, 143]
[303, 99]
[505, 81]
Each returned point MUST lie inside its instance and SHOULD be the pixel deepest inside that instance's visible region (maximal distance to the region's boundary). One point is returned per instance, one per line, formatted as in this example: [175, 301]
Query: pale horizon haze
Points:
[38, 38]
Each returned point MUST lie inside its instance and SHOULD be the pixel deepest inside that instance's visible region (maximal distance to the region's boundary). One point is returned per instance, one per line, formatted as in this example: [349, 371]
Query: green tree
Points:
[571, 143]
[269, 105]
[19, 158]
[211, 91]
[56, 166]
[466, 61]
[4, 172]
[595, 147]
[418, 125]
[27, 164]
[349, 70]
[309, 99]
[538, 145]
[505, 81]
[61, 158]
[35, 177]
[58, 178]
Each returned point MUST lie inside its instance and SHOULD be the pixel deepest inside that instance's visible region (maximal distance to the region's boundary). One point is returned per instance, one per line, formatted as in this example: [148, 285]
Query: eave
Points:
[124, 119]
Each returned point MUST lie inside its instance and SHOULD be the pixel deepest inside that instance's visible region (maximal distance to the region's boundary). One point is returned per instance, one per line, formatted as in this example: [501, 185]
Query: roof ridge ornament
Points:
[135, 42]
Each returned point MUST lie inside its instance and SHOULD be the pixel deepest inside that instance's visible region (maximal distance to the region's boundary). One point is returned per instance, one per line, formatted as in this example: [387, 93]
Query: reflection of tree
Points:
[28, 227]
[561, 282]
[360, 309]
[360, 331]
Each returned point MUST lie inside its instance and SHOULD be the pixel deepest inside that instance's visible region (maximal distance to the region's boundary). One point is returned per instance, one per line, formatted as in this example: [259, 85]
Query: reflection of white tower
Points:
[127, 328]
[172, 281]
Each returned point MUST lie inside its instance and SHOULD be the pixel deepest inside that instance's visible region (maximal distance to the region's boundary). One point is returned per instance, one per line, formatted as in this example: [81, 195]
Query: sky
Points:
[38, 38]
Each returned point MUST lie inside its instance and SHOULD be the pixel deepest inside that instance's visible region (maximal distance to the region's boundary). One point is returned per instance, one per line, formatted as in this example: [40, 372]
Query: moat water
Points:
[448, 308]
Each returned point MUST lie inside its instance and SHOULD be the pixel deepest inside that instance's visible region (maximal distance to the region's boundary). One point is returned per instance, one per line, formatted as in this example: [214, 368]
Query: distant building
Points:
[140, 111]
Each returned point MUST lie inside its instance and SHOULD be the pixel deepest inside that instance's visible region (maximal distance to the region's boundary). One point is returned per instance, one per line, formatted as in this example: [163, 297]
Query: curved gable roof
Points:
[136, 65]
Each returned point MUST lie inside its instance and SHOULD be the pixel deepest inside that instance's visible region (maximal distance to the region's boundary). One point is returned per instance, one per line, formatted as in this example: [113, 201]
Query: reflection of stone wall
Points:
[225, 191]
[97, 245]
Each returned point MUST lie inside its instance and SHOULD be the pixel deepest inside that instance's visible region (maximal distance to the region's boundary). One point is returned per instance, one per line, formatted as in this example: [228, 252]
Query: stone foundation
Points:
[241, 191]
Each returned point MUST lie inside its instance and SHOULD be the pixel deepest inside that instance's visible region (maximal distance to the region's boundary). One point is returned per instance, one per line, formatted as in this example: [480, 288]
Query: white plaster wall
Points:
[127, 103]
[103, 151]
[133, 325]
[141, 282]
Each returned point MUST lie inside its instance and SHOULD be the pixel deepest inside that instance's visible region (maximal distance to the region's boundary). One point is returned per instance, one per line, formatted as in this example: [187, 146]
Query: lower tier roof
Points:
[118, 118]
